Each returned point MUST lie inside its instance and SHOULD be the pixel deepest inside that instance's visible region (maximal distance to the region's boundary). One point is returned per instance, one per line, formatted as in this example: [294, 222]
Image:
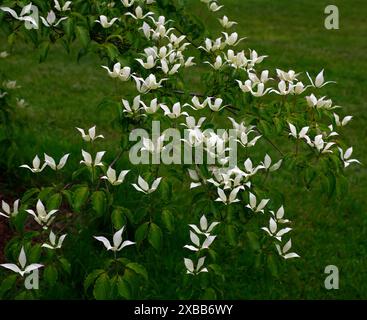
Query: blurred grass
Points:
[64, 94]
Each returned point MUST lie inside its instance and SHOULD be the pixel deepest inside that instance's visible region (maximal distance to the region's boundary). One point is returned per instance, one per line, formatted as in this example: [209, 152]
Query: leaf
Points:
[80, 196]
[99, 202]
[253, 240]
[155, 236]
[54, 201]
[168, 220]
[50, 274]
[118, 218]
[102, 287]
[124, 289]
[142, 232]
[91, 278]
[65, 265]
[231, 235]
[209, 294]
[272, 265]
[138, 269]
[43, 50]
[7, 284]
[112, 51]
[83, 36]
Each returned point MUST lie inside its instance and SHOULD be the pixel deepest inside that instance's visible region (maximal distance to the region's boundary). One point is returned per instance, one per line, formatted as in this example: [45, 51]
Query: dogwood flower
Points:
[289, 76]
[4, 54]
[250, 169]
[155, 147]
[11, 84]
[264, 77]
[150, 83]
[253, 203]
[279, 215]
[103, 21]
[134, 107]
[273, 230]
[139, 14]
[3, 94]
[21, 103]
[283, 251]
[232, 39]
[122, 74]
[118, 244]
[267, 164]
[244, 141]
[204, 228]
[197, 246]
[36, 163]
[217, 105]
[190, 269]
[65, 7]
[321, 103]
[320, 80]
[143, 186]
[301, 135]
[176, 111]
[112, 178]
[226, 23]
[194, 176]
[149, 64]
[50, 20]
[127, 4]
[6, 210]
[345, 156]
[23, 14]
[343, 122]
[217, 64]
[22, 260]
[282, 88]
[214, 7]
[321, 145]
[91, 136]
[42, 217]
[232, 198]
[53, 243]
[196, 104]
[167, 70]
[88, 161]
[52, 164]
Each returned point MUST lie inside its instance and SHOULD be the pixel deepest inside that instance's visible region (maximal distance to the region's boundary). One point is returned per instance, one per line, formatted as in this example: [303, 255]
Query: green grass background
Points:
[64, 94]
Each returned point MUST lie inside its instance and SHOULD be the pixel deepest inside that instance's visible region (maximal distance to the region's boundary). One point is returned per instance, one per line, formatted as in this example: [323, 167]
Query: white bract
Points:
[54, 243]
[103, 21]
[52, 164]
[112, 178]
[319, 81]
[139, 15]
[273, 230]
[143, 186]
[91, 135]
[22, 260]
[175, 112]
[226, 23]
[65, 7]
[41, 216]
[232, 198]
[7, 212]
[190, 269]
[118, 244]
[24, 14]
[283, 252]
[343, 122]
[267, 164]
[253, 203]
[204, 228]
[88, 161]
[117, 72]
[50, 20]
[345, 157]
[36, 163]
[196, 243]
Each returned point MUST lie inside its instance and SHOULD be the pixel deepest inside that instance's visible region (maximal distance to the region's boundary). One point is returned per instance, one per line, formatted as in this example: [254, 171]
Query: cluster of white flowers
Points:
[204, 230]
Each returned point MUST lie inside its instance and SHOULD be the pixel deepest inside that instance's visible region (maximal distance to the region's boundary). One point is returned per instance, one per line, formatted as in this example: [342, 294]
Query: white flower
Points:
[149, 64]
[217, 105]
[53, 243]
[301, 135]
[197, 246]
[150, 83]
[118, 244]
[103, 21]
[11, 84]
[153, 107]
[289, 76]
[88, 161]
[226, 23]
[282, 88]
[51, 20]
[41, 216]
[195, 178]
[64, 8]
[4, 54]
[232, 198]
[319, 81]
[52, 164]
[345, 157]
[127, 4]
[191, 122]
[232, 39]
[139, 14]
[176, 111]
[143, 186]
[134, 108]
[250, 169]
[264, 77]
[321, 145]
[214, 7]
[267, 164]
[24, 269]
[112, 178]
[244, 139]
[190, 269]
[204, 228]
[273, 230]
[342, 123]
[21, 103]
[217, 64]
[253, 203]
[6, 210]
[3, 94]
[122, 74]
[321, 103]
[36, 163]
[155, 147]
[279, 215]
[23, 14]
[197, 105]
[91, 136]
[283, 251]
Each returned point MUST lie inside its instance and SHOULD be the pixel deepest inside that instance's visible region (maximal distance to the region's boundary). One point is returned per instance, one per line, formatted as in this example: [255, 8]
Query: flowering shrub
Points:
[182, 217]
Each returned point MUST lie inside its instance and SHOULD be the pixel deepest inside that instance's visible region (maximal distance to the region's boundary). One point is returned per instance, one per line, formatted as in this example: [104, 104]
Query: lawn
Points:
[64, 94]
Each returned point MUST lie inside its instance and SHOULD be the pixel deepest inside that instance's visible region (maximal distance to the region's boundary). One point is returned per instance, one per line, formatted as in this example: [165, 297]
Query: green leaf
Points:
[43, 50]
[80, 196]
[99, 202]
[54, 201]
[118, 218]
[102, 287]
[65, 265]
[142, 232]
[83, 36]
[272, 265]
[253, 240]
[124, 288]
[155, 236]
[231, 234]
[111, 50]
[92, 278]
[168, 220]
[50, 274]
[138, 269]
[209, 294]
[7, 284]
